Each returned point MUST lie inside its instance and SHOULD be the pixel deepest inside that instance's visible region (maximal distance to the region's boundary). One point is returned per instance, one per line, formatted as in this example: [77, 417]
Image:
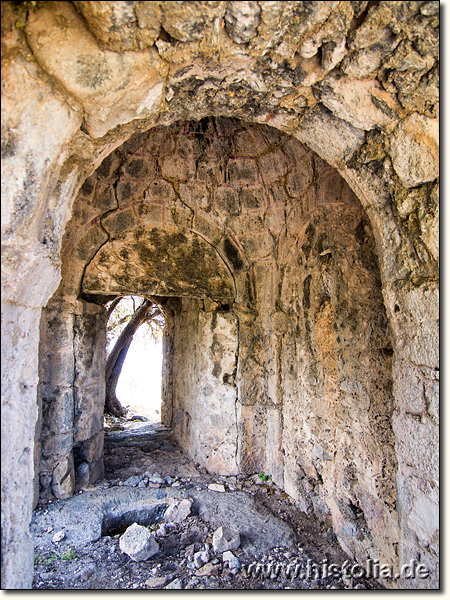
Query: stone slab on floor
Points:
[86, 517]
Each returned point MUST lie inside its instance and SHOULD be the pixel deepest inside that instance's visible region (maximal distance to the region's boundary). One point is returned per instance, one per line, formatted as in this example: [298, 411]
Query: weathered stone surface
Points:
[363, 104]
[224, 539]
[85, 71]
[231, 559]
[178, 511]
[123, 26]
[63, 479]
[242, 20]
[415, 150]
[138, 543]
[339, 139]
[155, 582]
[56, 70]
[190, 22]
[216, 487]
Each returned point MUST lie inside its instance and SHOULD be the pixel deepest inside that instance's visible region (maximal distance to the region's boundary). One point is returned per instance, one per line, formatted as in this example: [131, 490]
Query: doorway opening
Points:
[134, 333]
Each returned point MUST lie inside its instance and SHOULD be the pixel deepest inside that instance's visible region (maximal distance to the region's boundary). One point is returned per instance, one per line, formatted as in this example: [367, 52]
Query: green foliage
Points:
[263, 476]
[22, 9]
[46, 561]
[69, 555]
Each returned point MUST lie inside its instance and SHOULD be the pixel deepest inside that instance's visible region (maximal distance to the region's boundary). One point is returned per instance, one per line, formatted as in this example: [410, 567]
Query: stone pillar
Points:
[204, 386]
[20, 326]
[71, 396]
[415, 320]
[56, 377]
[89, 346]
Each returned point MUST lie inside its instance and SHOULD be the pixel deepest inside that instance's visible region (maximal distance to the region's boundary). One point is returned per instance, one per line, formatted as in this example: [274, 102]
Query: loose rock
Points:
[176, 584]
[178, 511]
[138, 543]
[59, 535]
[224, 539]
[216, 487]
[155, 582]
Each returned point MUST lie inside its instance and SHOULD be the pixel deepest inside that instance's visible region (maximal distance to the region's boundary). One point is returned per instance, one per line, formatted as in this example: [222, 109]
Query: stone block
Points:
[299, 179]
[211, 172]
[176, 168]
[195, 196]
[250, 142]
[253, 199]
[137, 167]
[92, 449]
[272, 166]
[226, 201]
[189, 23]
[63, 478]
[150, 214]
[414, 149]
[242, 20]
[331, 137]
[207, 229]
[86, 71]
[56, 444]
[242, 172]
[90, 243]
[116, 28]
[58, 410]
[118, 222]
[107, 168]
[258, 247]
[138, 543]
[180, 215]
[362, 103]
[104, 198]
[160, 191]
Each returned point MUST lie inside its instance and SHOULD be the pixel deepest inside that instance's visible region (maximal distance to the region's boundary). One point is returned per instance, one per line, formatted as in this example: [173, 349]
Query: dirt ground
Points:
[148, 453]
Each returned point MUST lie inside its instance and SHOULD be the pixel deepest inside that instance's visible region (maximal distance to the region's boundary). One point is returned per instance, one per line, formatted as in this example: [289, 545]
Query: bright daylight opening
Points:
[135, 374]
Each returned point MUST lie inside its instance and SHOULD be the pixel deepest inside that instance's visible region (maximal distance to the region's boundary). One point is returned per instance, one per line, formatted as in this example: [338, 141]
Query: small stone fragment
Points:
[132, 481]
[162, 530]
[216, 487]
[202, 557]
[208, 569]
[415, 150]
[155, 582]
[242, 20]
[178, 511]
[231, 559]
[224, 539]
[138, 543]
[59, 535]
[176, 584]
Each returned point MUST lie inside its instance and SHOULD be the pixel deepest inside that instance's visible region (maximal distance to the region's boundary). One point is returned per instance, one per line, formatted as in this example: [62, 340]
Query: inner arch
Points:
[160, 262]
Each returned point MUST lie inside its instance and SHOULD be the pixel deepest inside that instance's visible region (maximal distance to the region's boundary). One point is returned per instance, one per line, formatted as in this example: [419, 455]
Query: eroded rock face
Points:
[80, 78]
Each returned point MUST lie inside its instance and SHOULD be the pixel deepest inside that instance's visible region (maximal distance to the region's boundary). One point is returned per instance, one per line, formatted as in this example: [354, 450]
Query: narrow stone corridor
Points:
[145, 472]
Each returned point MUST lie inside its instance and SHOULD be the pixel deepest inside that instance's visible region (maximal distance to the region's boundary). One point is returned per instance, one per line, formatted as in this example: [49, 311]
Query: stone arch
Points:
[280, 306]
[82, 99]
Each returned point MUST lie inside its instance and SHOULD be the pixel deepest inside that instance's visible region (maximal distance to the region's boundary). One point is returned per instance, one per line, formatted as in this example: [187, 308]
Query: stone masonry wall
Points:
[279, 342]
[71, 398]
[356, 82]
[204, 393]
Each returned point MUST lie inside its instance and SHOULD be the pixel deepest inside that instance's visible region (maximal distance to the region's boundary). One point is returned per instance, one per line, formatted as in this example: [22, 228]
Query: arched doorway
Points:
[277, 351]
[291, 79]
